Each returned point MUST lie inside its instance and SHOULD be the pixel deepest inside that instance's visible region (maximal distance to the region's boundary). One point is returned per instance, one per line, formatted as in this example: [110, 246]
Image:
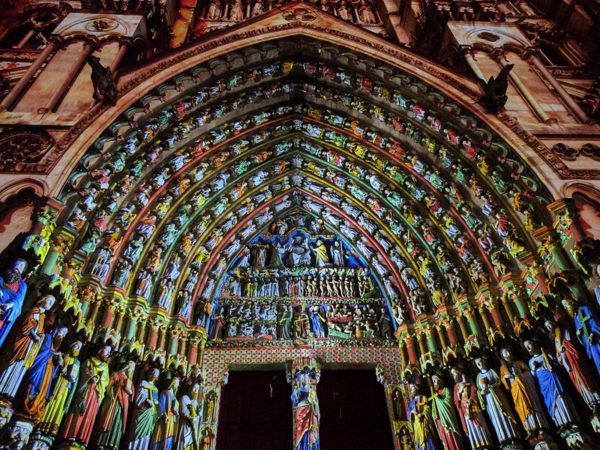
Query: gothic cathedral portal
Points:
[299, 225]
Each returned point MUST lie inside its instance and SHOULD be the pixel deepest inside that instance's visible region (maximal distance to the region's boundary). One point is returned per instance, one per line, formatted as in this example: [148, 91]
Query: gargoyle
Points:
[105, 90]
[494, 90]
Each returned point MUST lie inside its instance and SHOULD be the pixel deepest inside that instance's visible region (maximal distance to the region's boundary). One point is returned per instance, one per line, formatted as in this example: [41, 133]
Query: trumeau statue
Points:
[306, 409]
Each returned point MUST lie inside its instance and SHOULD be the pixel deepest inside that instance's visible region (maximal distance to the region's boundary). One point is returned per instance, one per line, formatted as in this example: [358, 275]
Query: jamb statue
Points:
[25, 348]
[12, 294]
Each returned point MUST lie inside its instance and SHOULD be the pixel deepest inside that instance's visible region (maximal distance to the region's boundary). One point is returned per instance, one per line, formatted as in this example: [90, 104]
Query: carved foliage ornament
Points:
[568, 153]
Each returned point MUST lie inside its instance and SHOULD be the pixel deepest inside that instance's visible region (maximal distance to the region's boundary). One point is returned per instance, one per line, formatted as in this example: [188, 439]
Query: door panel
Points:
[255, 412]
[353, 411]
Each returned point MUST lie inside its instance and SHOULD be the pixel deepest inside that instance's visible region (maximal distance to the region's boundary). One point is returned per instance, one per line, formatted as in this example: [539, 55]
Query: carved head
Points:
[76, 348]
[46, 302]
[457, 374]
[104, 352]
[437, 381]
[531, 347]
[6, 413]
[15, 273]
[481, 363]
[153, 374]
[506, 354]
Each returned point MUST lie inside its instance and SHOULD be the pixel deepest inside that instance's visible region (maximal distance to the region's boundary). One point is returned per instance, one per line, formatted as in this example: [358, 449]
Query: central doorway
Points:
[353, 411]
[255, 412]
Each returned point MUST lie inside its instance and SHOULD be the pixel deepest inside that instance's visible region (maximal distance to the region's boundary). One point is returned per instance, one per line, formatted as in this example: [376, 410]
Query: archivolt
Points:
[204, 155]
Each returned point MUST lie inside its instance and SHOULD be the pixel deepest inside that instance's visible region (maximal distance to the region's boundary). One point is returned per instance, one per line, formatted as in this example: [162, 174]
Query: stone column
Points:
[18, 89]
[123, 47]
[467, 52]
[531, 55]
[498, 55]
[304, 374]
[74, 70]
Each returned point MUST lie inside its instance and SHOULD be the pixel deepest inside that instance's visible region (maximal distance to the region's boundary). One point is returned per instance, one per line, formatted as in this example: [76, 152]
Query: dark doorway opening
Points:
[255, 412]
[353, 411]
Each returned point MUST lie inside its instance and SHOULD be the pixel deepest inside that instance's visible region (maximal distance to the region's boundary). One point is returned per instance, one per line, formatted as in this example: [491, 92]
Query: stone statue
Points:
[518, 381]
[306, 412]
[285, 322]
[550, 386]
[41, 374]
[258, 8]
[189, 413]
[168, 414]
[494, 90]
[343, 13]
[93, 381]
[419, 414]
[366, 13]
[568, 354]
[12, 294]
[115, 408]
[237, 11]
[444, 414]
[587, 327]
[495, 403]
[146, 411]
[62, 391]
[472, 418]
[215, 12]
[105, 89]
[27, 343]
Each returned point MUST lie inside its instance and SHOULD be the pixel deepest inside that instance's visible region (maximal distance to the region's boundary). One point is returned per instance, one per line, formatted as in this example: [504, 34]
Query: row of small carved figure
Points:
[102, 397]
[307, 286]
[555, 390]
[358, 11]
[273, 321]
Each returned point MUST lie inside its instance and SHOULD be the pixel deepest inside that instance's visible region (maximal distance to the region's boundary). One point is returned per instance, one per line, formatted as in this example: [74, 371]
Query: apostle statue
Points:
[472, 418]
[12, 294]
[168, 414]
[419, 414]
[146, 403]
[543, 367]
[306, 412]
[495, 403]
[188, 437]
[587, 327]
[444, 415]
[93, 381]
[518, 381]
[115, 408]
[27, 343]
[62, 391]
[41, 374]
[569, 355]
